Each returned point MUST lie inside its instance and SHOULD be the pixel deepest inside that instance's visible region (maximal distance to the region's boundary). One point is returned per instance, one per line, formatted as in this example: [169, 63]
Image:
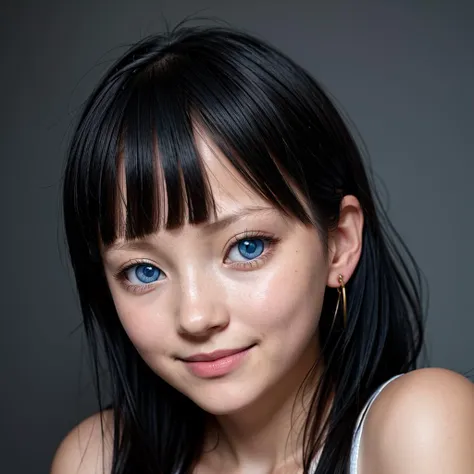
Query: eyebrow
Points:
[208, 227]
[229, 219]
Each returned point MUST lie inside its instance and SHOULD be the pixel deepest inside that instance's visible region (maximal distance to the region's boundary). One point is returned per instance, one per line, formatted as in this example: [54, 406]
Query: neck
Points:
[267, 435]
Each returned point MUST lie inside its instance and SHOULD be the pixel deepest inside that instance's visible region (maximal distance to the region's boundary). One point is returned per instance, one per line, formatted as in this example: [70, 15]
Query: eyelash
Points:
[269, 241]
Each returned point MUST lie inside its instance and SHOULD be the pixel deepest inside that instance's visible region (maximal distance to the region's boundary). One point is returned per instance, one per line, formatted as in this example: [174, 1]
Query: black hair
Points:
[280, 130]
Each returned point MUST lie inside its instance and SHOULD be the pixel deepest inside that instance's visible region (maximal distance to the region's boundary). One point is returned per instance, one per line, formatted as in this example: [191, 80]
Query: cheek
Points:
[140, 318]
[288, 298]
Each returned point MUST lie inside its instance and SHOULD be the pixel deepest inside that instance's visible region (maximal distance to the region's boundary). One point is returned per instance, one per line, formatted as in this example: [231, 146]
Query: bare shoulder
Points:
[87, 449]
[422, 422]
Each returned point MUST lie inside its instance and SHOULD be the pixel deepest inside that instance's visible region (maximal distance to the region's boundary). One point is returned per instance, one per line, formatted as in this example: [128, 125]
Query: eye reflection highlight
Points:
[248, 249]
[145, 273]
[247, 252]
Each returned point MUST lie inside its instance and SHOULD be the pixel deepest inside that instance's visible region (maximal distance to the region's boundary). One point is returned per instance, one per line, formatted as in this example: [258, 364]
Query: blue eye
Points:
[143, 274]
[249, 249]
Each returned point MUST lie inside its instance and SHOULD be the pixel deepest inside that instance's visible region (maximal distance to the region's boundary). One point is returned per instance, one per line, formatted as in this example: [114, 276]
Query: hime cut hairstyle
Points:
[281, 132]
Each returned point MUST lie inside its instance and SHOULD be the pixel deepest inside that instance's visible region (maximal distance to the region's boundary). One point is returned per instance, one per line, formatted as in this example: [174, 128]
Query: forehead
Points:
[230, 191]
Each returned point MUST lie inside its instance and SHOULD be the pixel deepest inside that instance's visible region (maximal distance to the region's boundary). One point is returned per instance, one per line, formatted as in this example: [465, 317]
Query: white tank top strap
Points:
[360, 426]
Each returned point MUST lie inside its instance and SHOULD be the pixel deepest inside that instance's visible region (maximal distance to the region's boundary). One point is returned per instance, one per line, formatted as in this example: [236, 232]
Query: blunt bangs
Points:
[134, 168]
[142, 122]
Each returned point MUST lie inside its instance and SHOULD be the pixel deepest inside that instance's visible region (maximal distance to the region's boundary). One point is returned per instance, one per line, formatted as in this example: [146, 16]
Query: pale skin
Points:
[208, 296]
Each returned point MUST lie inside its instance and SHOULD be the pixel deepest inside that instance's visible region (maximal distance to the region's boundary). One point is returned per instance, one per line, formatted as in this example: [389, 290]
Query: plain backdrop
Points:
[403, 71]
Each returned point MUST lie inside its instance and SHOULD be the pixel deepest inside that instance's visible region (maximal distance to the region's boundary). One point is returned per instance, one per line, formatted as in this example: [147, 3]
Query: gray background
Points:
[404, 72]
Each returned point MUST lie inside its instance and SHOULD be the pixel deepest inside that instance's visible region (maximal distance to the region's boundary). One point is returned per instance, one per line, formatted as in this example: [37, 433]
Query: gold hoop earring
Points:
[342, 292]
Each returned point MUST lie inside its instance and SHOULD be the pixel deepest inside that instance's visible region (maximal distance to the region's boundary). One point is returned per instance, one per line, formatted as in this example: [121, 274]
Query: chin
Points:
[223, 402]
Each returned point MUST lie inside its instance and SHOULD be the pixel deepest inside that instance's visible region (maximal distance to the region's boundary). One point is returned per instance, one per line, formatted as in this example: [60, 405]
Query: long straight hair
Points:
[282, 133]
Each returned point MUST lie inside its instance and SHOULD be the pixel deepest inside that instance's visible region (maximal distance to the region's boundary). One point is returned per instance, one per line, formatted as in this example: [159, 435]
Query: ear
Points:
[345, 242]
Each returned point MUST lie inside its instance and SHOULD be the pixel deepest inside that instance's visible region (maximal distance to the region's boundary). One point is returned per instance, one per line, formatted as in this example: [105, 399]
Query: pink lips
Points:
[217, 363]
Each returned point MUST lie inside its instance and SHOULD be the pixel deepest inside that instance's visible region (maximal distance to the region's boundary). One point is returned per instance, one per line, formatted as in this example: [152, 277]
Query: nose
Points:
[201, 309]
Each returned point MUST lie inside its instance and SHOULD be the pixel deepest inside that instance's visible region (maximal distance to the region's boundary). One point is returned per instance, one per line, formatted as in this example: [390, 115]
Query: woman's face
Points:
[250, 281]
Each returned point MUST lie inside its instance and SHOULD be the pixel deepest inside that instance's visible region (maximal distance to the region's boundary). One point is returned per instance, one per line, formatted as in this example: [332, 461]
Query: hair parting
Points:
[133, 167]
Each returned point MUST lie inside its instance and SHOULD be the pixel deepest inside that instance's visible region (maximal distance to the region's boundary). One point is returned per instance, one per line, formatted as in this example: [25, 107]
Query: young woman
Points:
[256, 310]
